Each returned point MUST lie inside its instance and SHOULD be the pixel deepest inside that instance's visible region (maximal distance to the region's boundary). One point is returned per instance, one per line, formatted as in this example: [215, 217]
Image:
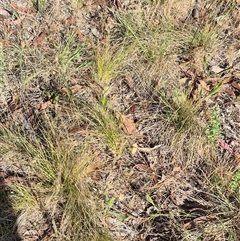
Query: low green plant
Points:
[235, 183]
[42, 5]
[109, 211]
[109, 204]
[213, 130]
[3, 75]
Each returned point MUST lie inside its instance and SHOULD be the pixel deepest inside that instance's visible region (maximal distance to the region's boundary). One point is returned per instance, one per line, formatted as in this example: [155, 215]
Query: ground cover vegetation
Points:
[119, 120]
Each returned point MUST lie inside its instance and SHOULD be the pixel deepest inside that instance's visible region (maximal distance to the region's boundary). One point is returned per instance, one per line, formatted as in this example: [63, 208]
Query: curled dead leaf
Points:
[198, 221]
[28, 10]
[74, 89]
[44, 105]
[128, 125]
[143, 167]
[38, 41]
[230, 92]
[204, 85]
[68, 21]
[118, 4]
[236, 85]
[14, 22]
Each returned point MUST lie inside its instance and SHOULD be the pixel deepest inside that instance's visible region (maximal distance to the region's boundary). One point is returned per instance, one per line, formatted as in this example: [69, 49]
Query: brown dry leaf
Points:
[74, 89]
[237, 160]
[96, 176]
[213, 80]
[194, 94]
[230, 92]
[143, 167]
[68, 21]
[100, 3]
[22, 9]
[79, 130]
[155, 178]
[44, 105]
[4, 13]
[227, 80]
[64, 90]
[38, 41]
[15, 22]
[75, 130]
[82, 38]
[204, 85]
[5, 43]
[236, 85]
[118, 3]
[13, 103]
[198, 221]
[127, 124]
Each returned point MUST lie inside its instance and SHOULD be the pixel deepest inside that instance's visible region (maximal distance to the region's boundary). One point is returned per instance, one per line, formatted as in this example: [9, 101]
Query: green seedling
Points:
[150, 200]
[54, 96]
[110, 203]
[69, 57]
[120, 216]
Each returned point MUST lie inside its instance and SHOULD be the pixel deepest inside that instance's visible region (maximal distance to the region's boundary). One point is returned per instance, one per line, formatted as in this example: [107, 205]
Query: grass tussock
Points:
[59, 188]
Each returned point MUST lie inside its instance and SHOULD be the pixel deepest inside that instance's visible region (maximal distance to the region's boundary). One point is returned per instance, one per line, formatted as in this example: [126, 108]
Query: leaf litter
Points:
[156, 190]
